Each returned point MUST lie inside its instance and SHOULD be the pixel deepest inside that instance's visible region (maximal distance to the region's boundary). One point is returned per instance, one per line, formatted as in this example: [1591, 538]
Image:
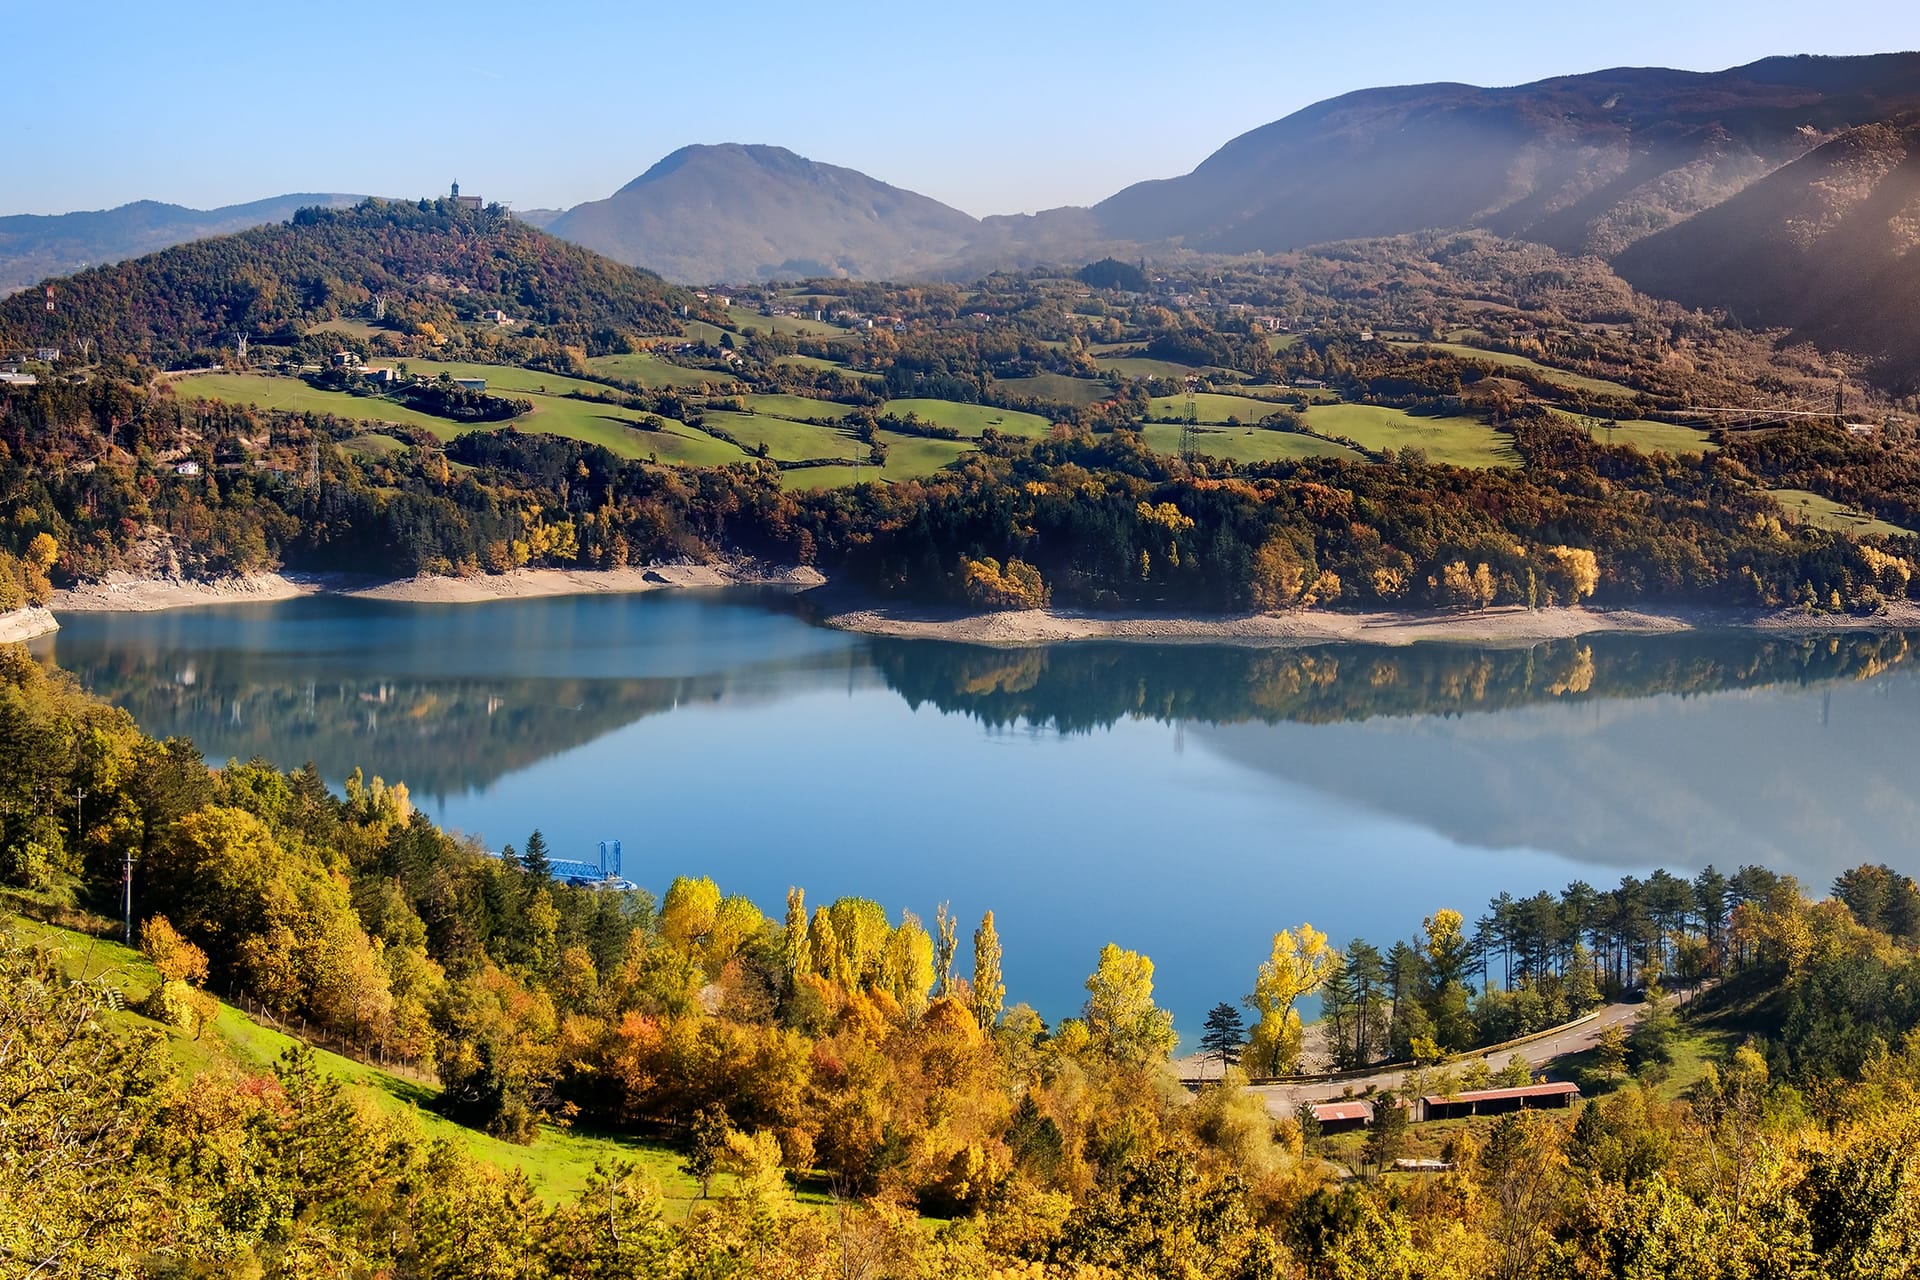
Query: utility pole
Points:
[127, 876]
[79, 814]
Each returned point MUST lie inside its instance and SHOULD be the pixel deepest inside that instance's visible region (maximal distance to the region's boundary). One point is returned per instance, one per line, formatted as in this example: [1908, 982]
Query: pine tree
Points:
[534, 858]
[1224, 1035]
[989, 992]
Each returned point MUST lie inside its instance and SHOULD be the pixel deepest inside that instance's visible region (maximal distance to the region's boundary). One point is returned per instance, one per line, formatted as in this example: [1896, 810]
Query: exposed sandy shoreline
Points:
[1490, 626]
[124, 593]
[25, 624]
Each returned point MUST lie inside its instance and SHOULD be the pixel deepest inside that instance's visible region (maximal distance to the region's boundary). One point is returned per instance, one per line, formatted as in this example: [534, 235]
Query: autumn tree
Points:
[1299, 962]
[1120, 1012]
[988, 992]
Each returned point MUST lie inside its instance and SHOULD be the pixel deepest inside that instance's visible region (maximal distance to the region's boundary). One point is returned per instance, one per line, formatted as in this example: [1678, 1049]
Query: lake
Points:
[1185, 801]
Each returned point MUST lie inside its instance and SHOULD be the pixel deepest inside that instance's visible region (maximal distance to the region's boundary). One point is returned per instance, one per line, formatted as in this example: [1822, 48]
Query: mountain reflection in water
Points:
[1182, 799]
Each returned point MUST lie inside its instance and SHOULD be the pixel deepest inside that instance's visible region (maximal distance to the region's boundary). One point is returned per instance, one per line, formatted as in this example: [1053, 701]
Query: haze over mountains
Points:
[1781, 190]
[34, 247]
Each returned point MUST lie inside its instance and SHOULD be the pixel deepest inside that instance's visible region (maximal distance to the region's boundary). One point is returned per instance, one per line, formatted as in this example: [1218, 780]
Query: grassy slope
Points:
[1213, 407]
[908, 457]
[799, 408]
[557, 1163]
[1577, 381]
[613, 428]
[1245, 444]
[786, 440]
[972, 419]
[1648, 436]
[1463, 442]
[1810, 508]
[1057, 387]
[652, 371]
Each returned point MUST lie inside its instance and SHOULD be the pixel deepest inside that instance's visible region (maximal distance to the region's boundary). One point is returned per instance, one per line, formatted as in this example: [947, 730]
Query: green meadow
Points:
[1462, 442]
[1576, 381]
[1646, 435]
[908, 458]
[1056, 387]
[271, 392]
[651, 371]
[1245, 444]
[786, 440]
[1811, 508]
[799, 408]
[1213, 407]
[972, 419]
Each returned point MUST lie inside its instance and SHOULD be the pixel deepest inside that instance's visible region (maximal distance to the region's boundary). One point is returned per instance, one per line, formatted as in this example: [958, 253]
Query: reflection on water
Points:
[1185, 800]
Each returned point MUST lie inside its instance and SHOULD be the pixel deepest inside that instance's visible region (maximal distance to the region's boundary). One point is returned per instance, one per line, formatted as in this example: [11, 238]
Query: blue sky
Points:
[993, 107]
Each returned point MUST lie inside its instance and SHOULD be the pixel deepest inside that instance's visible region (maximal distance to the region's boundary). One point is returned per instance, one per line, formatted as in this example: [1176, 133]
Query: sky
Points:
[990, 106]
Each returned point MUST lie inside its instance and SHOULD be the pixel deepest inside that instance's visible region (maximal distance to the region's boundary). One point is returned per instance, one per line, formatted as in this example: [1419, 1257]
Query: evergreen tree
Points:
[1224, 1035]
[534, 859]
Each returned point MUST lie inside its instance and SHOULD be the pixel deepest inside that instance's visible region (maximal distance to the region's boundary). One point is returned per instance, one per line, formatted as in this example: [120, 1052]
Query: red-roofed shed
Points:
[1487, 1102]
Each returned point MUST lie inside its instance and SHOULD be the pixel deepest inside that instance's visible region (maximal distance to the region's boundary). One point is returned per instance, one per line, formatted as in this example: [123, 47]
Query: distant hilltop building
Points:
[465, 202]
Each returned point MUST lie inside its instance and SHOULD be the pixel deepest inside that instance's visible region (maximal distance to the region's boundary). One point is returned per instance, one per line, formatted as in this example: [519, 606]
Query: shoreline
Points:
[846, 610]
[29, 623]
[1511, 625]
[127, 593]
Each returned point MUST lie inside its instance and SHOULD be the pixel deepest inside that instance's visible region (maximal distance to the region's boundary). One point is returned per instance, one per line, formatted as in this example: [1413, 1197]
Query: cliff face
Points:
[25, 624]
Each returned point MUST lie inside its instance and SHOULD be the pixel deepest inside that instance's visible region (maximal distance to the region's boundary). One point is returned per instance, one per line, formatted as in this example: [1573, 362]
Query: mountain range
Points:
[34, 247]
[1780, 190]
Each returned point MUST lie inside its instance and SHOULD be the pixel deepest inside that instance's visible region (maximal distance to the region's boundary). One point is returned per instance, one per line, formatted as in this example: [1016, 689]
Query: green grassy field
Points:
[557, 415]
[270, 392]
[818, 362]
[786, 440]
[972, 419]
[651, 371]
[1811, 508]
[908, 458]
[1245, 444]
[1144, 367]
[557, 1163]
[371, 444]
[1281, 341]
[799, 408]
[1214, 407]
[505, 379]
[1463, 442]
[1577, 381]
[352, 328]
[1647, 435]
[744, 318]
[1057, 387]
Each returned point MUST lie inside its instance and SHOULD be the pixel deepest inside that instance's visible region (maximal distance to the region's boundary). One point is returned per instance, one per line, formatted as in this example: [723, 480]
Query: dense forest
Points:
[839, 1046]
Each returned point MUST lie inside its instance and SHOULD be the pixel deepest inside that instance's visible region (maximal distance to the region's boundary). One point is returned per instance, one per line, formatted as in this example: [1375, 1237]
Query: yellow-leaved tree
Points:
[1299, 963]
[1120, 1011]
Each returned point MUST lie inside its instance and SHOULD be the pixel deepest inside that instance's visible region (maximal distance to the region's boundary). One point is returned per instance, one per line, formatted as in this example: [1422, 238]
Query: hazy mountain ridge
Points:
[35, 247]
[1828, 246]
[1586, 164]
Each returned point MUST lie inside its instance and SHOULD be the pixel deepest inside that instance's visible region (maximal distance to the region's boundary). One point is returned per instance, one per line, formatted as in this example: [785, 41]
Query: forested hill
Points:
[1828, 246]
[434, 263]
[1584, 163]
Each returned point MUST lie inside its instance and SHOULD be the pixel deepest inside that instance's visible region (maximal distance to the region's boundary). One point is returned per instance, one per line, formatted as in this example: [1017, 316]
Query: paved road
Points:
[1284, 1099]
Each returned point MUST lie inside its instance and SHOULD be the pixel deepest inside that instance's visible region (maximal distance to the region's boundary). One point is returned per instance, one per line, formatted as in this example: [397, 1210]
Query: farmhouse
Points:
[46, 355]
[471, 384]
[497, 316]
[1487, 1102]
[13, 378]
[186, 469]
[345, 359]
[385, 377]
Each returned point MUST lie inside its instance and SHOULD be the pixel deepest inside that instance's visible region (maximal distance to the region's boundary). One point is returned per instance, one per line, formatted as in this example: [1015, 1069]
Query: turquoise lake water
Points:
[1185, 801]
